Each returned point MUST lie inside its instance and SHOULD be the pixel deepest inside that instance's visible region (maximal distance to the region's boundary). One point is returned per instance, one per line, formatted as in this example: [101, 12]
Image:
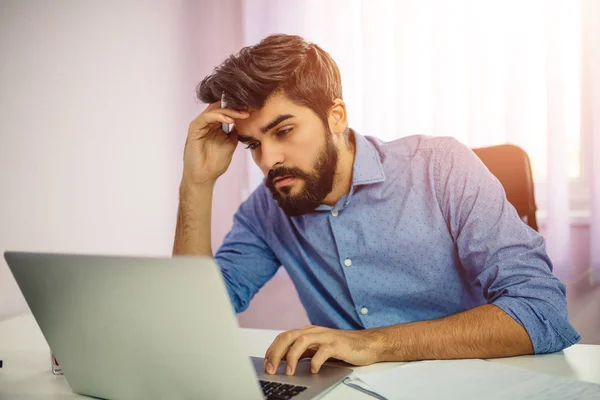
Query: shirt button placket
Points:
[347, 261]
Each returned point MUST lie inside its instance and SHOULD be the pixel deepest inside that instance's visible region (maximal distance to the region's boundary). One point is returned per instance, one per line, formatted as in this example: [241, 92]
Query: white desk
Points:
[26, 373]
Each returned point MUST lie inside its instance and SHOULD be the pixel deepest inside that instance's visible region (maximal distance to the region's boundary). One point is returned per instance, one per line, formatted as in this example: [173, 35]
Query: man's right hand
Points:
[209, 150]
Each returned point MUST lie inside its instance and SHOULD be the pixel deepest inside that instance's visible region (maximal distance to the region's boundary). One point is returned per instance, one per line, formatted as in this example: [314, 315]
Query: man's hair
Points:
[286, 64]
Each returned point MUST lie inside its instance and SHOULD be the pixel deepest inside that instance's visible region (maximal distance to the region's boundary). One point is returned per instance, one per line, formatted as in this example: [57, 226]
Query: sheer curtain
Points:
[591, 123]
[483, 71]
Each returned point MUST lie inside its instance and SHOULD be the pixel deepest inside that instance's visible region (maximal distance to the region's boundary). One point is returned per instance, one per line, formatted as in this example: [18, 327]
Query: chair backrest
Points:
[510, 164]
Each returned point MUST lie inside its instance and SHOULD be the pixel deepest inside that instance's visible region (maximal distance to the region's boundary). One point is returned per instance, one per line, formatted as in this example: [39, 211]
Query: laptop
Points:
[150, 328]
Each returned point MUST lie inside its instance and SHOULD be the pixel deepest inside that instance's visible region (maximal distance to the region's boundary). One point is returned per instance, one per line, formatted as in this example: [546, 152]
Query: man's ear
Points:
[338, 118]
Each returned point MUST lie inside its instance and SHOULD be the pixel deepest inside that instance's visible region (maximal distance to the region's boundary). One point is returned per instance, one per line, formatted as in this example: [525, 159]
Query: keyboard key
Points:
[278, 391]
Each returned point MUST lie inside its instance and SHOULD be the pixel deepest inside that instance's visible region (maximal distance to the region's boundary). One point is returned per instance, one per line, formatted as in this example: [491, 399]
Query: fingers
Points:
[208, 128]
[217, 115]
[284, 344]
[233, 113]
[221, 116]
[278, 348]
[324, 353]
[222, 138]
[217, 105]
[212, 106]
[307, 354]
[300, 347]
[207, 125]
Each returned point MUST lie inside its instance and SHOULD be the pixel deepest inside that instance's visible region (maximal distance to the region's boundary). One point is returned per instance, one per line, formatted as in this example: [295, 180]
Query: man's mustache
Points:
[285, 172]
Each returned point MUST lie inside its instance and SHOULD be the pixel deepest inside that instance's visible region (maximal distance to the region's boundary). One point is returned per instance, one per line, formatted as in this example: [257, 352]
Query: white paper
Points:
[473, 380]
[354, 382]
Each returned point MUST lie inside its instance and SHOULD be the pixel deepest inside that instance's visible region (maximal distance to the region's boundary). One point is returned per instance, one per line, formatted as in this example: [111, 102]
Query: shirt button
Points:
[347, 262]
[335, 213]
[364, 310]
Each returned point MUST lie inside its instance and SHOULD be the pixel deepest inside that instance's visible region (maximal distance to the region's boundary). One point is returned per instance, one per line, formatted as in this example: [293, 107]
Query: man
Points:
[400, 251]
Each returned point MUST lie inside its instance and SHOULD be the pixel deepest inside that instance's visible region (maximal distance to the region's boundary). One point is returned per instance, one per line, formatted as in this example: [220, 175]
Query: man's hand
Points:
[353, 347]
[207, 155]
[208, 150]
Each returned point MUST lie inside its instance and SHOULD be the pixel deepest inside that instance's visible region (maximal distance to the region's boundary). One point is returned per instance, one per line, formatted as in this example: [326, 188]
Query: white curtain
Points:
[484, 71]
[591, 122]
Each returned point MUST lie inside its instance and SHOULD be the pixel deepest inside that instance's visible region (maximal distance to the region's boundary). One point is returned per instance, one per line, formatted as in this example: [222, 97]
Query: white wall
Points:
[214, 31]
[95, 100]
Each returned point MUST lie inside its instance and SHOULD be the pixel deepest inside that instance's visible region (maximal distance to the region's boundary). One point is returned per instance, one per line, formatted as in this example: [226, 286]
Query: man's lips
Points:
[283, 180]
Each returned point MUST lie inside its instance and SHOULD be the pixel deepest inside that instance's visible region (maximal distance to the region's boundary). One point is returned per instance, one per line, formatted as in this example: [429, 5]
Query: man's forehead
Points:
[276, 110]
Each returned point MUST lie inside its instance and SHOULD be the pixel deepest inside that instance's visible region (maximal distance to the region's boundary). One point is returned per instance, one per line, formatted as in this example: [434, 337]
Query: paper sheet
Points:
[473, 380]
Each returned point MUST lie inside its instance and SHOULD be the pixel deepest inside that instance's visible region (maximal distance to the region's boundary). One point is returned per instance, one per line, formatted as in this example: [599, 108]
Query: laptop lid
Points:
[138, 328]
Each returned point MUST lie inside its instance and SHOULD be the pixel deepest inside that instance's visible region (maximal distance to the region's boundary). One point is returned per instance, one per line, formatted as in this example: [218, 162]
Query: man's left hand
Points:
[353, 347]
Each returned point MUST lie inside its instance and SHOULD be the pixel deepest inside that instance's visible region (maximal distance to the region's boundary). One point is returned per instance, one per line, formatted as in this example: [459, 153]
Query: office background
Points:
[96, 98]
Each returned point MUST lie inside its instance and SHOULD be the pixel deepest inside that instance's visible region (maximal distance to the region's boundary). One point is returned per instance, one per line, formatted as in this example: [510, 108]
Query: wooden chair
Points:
[510, 164]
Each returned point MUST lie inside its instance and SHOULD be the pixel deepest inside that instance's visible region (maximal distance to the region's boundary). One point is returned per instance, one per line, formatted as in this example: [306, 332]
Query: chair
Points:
[510, 164]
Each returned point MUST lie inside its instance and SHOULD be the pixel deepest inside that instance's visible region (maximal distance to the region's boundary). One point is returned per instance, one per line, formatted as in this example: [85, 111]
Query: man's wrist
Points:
[379, 343]
[187, 186]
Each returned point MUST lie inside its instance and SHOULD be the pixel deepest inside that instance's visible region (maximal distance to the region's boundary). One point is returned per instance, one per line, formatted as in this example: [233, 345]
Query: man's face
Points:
[294, 150]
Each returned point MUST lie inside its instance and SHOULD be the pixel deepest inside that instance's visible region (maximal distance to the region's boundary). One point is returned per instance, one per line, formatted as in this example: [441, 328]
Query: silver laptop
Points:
[150, 328]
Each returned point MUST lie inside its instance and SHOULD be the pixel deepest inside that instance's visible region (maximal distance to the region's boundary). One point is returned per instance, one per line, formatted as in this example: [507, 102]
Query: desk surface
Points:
[26, 372]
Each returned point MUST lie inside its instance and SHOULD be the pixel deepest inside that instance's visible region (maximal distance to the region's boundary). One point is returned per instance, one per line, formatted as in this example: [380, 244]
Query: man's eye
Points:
[252, 146]
[283, 132]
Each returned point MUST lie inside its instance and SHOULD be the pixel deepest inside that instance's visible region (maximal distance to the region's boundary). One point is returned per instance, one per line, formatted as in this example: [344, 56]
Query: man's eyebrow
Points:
[245, 139]
[279, 119]
[275, 122]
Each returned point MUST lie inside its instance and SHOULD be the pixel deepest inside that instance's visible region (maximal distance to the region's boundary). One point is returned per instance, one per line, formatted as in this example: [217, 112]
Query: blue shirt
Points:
[425, 232]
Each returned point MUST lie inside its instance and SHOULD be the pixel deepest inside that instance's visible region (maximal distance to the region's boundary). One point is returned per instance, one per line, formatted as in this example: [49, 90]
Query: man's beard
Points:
[316, 186]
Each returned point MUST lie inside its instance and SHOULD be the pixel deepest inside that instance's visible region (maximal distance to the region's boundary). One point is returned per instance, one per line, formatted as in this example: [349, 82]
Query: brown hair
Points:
[303, 71]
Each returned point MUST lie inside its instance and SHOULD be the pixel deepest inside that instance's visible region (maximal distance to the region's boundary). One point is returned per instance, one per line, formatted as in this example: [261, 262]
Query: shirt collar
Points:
[367, 167]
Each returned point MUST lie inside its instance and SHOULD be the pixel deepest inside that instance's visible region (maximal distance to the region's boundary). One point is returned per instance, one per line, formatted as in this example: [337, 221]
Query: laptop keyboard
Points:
[280, 391]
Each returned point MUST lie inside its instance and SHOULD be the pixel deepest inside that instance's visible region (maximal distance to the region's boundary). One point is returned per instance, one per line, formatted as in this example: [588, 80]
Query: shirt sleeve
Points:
[499, 252]
[245, 259]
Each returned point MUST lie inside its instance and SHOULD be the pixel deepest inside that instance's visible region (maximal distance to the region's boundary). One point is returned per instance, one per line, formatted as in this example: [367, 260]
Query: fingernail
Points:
[270, 368]
[288, 370]
[314, 371]
[229, 119]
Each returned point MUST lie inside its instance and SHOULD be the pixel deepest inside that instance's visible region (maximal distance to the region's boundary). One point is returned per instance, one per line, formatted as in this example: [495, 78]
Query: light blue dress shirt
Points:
[425, 232]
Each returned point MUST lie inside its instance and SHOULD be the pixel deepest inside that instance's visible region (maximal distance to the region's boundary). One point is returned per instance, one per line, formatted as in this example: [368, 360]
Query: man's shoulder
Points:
[410, 146]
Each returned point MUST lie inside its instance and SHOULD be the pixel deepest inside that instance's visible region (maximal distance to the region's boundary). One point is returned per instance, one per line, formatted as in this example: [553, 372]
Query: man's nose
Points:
[272, 155]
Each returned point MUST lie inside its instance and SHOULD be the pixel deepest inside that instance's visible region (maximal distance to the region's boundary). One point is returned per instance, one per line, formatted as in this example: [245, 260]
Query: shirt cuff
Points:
[548, 329]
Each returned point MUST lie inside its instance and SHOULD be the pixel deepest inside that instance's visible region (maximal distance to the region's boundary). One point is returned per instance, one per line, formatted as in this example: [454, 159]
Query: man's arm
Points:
[207, 155]
[500, 254]
[481, 332]
[244, 258]
[192, 235]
